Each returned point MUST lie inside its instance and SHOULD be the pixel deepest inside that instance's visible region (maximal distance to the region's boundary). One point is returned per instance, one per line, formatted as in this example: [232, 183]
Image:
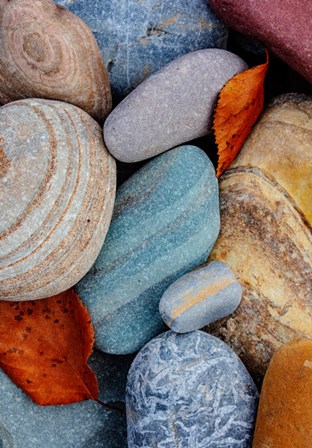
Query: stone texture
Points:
[48, 52]
[24, 424]
[57, 190]
[285, 408]
[173, 106]
[266, 236]
[165, 222]
[200, 298]
[189, 390]
[138, 38]
[284, 27]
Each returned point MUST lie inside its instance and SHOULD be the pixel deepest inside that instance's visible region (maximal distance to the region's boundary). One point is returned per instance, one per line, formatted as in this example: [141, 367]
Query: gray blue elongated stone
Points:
[172, 107]
[137, 38]
[165, 223]
[200, 297]
[23, 424]
[189, 390]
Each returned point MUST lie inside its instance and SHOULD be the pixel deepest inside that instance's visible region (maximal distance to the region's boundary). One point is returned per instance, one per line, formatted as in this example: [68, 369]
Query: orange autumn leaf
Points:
[239, 106]
[44, 348]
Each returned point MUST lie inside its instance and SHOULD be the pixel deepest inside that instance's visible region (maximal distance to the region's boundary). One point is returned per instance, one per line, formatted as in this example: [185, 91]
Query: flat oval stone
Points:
[165, 221]
[285, 407]
[189, 390]
[57, 190]
[23, 424]
[200, 297]
[138, 38]
[172, 107]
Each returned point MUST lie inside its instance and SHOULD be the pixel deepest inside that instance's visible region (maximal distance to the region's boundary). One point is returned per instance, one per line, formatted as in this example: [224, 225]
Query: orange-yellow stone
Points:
[285, 408]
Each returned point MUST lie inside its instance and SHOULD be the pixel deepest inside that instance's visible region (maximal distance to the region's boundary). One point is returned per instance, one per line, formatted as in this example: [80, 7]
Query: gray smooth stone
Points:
[189, 390]
[171, 107]
[23, 424]
[200, 298]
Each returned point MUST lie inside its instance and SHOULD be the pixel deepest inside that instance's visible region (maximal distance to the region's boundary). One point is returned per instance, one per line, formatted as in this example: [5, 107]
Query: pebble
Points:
[172, 107]
[138, 38]
[283, 27]
[48, 52]
[165, 223]
[189, 390]
[23, 424]
[57, 191]
[200, 297]
[285, 407]
[265, 238]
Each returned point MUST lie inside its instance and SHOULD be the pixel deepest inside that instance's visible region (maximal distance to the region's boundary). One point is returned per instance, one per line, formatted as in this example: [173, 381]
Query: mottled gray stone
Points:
[173, 106]
[200, 297]
[137, 38]
[189, 390]
[24, 424]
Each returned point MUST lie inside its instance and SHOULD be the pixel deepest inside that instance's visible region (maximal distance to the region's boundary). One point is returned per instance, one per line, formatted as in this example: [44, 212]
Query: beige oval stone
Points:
[266, 238]
[57, 190]
[48, 52]
[285, 407]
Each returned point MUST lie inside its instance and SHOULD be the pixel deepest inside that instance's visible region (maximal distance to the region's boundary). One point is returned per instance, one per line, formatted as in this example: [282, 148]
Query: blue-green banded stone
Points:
[166, 220]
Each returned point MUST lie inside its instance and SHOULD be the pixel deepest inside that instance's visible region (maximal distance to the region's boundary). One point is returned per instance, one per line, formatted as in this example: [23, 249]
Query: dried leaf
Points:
[44, 347]
[239, 106]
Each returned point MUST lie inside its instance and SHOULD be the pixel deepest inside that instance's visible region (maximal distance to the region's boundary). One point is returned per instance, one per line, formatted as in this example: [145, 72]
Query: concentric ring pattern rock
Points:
[171, 107]
[48, 52]
[138, 38]
[189, 390]
[57, 190]
[166, 220]
[266, 234]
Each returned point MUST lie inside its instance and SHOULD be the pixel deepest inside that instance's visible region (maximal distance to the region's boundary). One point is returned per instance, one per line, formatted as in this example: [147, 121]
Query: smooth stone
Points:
[172, 107]
[284, 27]
[48, 52]
[165, 222]
[24, 424]
[189, 390]
[285, 407]
[57, 191]
[266, 237]
[138, 38]
[200, 298]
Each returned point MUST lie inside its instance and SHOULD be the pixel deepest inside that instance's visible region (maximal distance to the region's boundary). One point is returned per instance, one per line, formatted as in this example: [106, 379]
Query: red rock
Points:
[283, 26]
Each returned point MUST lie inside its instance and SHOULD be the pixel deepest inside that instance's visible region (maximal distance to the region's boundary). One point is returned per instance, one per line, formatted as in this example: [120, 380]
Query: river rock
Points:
[200, 297]
[266, 236]
[48, 52]
[285, 408]
[189, 390]
[57, 190]
[138, 38]
[283, 27]
[165, 222]
[173, 106]
[23, 424]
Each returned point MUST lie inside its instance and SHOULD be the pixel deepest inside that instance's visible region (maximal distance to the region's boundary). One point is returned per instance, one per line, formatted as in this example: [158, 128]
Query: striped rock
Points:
[57, 189]
[266, 234]
[165, 222]
[173, 106]
[200, 297]
[48, 52]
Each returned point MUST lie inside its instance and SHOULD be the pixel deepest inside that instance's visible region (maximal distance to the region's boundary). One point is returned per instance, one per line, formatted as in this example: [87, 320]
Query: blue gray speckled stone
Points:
[200, 298]
[165, 223]
[189, 390]
[172, 107]
[24, 424]
[137, 38]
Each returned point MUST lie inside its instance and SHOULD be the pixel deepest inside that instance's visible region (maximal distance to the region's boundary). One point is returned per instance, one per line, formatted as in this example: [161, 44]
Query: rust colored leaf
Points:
[239, 106]
[44, 348]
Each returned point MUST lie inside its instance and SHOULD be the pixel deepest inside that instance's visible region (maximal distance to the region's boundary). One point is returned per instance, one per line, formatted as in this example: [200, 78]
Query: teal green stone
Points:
[166, 220]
